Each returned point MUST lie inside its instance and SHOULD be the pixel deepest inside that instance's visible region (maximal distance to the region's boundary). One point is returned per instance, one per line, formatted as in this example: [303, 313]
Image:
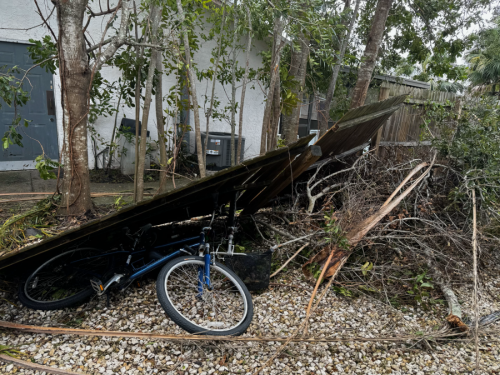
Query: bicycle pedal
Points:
[97, 285]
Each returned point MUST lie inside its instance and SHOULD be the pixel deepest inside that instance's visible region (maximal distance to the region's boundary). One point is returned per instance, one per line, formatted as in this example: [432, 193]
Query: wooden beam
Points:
[267, 173]
[35, 366]
[200, 338]
[366, 118]
[157, 208]
[284, 179]
[253, 185]
[424, 102]
[406, 144]
[337, 158]
[375, 141]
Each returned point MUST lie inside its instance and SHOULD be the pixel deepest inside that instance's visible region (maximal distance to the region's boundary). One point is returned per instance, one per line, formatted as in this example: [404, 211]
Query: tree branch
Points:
[118, 40]
[103, 43]
[45, 19]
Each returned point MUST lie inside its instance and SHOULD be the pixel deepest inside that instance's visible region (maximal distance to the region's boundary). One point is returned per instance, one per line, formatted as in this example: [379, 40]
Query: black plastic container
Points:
[253, 269]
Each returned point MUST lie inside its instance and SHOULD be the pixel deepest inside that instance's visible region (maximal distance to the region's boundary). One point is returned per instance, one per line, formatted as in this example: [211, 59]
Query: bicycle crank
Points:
[101, 288]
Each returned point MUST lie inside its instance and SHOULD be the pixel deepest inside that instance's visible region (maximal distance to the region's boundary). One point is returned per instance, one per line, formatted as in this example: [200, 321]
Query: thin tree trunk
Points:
[298, 68]
[138, 52]
[371, 51]
[75, 79]
[275, 63]
[174, 151]
[475, 294]
[233, 81]
[155, 17]
[192, 86]
[111, 145]
[324, 114]
[214, 80]
[273, 131]
[161, 124]
[244, 85]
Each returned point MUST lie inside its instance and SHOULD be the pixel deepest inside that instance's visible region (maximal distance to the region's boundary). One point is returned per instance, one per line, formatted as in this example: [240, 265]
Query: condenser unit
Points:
[219, 149]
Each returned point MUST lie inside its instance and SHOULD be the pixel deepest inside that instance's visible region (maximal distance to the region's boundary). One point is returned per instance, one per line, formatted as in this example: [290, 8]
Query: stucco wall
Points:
[17, 16]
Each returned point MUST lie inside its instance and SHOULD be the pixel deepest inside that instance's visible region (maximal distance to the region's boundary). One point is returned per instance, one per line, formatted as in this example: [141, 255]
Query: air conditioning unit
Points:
[219, 149]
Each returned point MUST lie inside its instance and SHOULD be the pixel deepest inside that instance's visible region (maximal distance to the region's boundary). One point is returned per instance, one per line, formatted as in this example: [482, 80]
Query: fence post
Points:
[375, 141]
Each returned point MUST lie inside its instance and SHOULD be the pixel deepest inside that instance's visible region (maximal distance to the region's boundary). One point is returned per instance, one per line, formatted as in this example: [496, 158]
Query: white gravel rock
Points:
[278, 312]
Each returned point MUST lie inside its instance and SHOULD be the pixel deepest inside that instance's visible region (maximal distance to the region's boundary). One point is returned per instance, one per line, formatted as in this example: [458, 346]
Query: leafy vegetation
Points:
[484, 58]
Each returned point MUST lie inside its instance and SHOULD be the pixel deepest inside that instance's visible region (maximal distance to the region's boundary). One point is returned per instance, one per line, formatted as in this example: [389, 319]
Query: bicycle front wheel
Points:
[64, 280]
[222, 309]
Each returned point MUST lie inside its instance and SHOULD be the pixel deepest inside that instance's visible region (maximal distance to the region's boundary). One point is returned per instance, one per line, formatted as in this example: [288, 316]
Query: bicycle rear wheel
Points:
[64, 280]
[223, 309]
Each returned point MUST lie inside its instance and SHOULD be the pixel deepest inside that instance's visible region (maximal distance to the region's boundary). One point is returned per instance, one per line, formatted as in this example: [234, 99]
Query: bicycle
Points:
[199, 294]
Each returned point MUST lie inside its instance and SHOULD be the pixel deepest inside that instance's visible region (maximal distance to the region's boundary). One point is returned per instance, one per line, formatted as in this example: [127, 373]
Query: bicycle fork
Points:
[204, 271]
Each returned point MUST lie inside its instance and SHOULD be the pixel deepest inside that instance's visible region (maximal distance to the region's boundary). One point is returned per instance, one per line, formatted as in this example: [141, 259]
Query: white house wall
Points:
[18, 17]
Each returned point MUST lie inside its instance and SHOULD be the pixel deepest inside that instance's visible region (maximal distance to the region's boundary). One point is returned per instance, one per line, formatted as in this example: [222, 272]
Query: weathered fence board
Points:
[405, 124]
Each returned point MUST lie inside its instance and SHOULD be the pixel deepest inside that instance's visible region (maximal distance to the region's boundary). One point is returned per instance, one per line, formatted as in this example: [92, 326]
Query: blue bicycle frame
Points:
[140, 271]
[157, 263]
[204, 272]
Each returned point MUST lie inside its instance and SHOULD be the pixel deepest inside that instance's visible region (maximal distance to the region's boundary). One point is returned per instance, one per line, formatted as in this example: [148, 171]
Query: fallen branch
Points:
[93, 195]
[289, 260]
[337, 257]
[331, 268]
[289, 286]
[172, 173]
[102, 194]
[147, 335]
[35, 366]
[284, 234]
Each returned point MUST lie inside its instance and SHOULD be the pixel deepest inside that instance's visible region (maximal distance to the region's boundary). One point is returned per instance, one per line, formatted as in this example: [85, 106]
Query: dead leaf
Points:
[223, 360]
[456, 322]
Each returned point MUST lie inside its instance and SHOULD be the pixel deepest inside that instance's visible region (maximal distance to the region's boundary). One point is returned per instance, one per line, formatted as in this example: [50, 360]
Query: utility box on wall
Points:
[219, 149]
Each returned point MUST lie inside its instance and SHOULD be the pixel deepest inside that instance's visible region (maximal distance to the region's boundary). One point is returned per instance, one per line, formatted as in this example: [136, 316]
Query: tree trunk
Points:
[273, 131]
[324, 114]
[155, 17]
[112, 148]
[214, 80]
[275, 63]
[244, 85]
[161, 124]
[233, 82]
[371, 51]
[139, 51]
[298, 68]
[192, 86]
[75, 76]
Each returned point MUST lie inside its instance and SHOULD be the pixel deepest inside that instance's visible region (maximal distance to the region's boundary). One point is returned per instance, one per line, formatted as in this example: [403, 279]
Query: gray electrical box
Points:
[219, 149]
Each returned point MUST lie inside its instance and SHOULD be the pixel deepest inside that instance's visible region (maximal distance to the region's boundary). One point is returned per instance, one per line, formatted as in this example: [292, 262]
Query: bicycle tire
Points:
[76, 278]
[170, 298]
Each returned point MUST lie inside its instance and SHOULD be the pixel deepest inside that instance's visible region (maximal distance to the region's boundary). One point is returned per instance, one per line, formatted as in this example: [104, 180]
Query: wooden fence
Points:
[404, 127]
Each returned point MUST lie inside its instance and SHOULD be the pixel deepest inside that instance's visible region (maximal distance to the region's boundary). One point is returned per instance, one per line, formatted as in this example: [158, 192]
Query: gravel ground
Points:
[278, 311]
